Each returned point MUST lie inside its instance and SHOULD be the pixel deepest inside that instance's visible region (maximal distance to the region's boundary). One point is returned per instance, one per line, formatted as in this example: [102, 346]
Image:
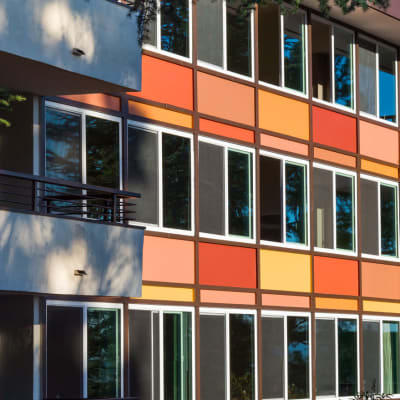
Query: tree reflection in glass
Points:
[347, 342]
[391, 373]
[344, 212]
[388, 220]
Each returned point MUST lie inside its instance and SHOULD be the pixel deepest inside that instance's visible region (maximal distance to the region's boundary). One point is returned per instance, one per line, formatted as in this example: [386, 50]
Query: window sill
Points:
[167, 53]
[336, 252]
[376, 119]
[380, 258]
[227, 238]
[221, 70]
[285, 90]
[334, 105]
[285, 245]
[155, 228]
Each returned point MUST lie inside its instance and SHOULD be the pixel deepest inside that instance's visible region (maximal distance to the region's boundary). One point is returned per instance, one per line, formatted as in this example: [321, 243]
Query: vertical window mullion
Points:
[333, 80]
[377, 80]
[282, 48]
[224, 36]
[226, 188]
[283, 174]
[336, 358]
[161, 346]
[152, 352]
[381, 353]
[252, 36]
[379, 219]
[158, 41]
[228, 361]
[334, 209]
[160, 181]
[83, 146]
[85, 351]
[285, 360]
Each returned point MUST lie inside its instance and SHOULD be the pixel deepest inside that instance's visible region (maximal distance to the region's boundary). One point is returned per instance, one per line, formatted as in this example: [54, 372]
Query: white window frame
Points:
[157, 47]
[84, 306]
[333, 103]
[284, 315]
[353, 175]
[161, 310]
[372, 116]
[335, 318]
[281, 85]
[159, 130]
[306, 164]
[229, 146]
[226, 313]
[394, 184]
[224, 68]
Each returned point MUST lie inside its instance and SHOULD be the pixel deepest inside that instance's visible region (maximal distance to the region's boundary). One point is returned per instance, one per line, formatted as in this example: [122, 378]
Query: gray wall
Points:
[39, 254]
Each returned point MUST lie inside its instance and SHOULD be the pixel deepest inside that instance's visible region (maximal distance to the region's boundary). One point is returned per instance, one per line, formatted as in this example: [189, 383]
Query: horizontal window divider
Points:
[334, 107]
[226, 74]
[286, 245]
[378, 121]
[167, 54]
[161, 307]
[226, 238]
[330, 252]
[290, 93]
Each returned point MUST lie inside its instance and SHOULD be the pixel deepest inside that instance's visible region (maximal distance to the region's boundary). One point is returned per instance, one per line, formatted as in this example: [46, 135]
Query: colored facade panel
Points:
[219, 297]
[334, 129]
[97, 100]
[285, 271]
[334, 157]
[380, 280]
[380, 169]
[281, 300]
[283, 115]
[225, 99]
[232, 266]
[229, 131]
[381, 306]
[336, 304]
[162, 293]
[379, 142]
[163, 265]
[335, 276]
[166, 82]
[284, 144]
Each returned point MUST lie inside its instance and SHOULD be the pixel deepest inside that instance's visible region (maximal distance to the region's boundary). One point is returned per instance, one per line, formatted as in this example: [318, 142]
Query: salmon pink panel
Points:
[333, 129]
[97, 100]
[381, 281]
[232, 266]
[166, 82]
[226, 297]
[284, 144]
[281, 300]
[335, 276]
[226, 130]
[334, 157]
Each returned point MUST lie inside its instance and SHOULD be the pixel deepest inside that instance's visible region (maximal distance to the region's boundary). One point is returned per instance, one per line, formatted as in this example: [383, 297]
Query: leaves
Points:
[6, 100]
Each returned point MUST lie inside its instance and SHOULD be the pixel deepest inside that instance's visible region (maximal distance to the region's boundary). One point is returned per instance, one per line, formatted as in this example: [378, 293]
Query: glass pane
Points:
[347, 341]
[175, 26]
[151, 36]
[238, 39]
[177, 356]
[388, 220]
[294, 51]
[387, 83]
[371, 357]
[209, 31]
[343, 67]
[369, 217]
[240, 189]
[269, 43]
[344, 212]
[242, 359]
[296, 203]
[325, 357]
[391, 376]
[323, 208]
[367, 72]
[104, 353]
[321, 60]
[273, 369]
[176, 181]
[143, 173]
[271, 199]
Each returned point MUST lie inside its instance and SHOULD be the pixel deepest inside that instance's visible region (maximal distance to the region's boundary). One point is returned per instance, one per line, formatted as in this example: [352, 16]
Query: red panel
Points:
[334, 129]
[335, 276]
[166, 82]
[226, 130]
[227, 266]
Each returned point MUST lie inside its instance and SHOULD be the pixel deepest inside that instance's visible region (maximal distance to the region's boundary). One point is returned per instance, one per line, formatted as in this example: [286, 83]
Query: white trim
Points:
[36, 136]
[376, 119]
[37, 350]
[334, 105]
[151, 307]
[284, 90]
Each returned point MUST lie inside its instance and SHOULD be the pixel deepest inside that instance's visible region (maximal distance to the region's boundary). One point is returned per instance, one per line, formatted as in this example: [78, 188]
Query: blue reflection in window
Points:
[387, 96]
[343, 80]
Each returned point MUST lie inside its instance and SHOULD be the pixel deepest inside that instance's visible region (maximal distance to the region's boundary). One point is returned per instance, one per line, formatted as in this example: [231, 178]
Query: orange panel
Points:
[226, 130]
[336, 304]
[284, 144]
[98, 100]
[160, 261]
[225, 99]
[227, 266]
[378, 168]
[334, 157]
[166, 82]
[279, 300]
[378, 142]
[216, 296]
[380, 280]
[335, 276]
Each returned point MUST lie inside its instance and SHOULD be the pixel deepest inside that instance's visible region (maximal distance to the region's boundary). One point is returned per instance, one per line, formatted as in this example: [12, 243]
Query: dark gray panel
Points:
[369, 217]
[344, 212]
[371, 357]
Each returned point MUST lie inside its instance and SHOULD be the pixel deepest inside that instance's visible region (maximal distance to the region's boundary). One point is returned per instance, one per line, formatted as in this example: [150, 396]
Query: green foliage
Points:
[6, 100]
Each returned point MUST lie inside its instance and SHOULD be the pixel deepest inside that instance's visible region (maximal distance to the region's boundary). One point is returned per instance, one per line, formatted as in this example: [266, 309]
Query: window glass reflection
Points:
[344, 212]
[387, 83]
[367, 72]
[347, 342]
[388, 220]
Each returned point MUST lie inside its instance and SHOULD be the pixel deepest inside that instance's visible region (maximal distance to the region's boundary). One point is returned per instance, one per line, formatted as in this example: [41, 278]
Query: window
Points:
[91, 337]
[283, 199]
[286, 365]
[161, 349]
[160, 165]
[282, 47]
[332, 63]
[334, 209]
[378, 80]
[170, 32]
[336, 355]
[379, 217]
[226, 190]
[227, 354]
[381, 357]
[224, 36]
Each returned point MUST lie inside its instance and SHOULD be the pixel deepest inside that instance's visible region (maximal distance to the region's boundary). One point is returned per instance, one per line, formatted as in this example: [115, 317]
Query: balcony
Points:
[55, 47]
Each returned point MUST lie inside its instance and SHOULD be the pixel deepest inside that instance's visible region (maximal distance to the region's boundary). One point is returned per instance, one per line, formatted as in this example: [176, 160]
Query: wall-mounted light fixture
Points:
[77, 52]
[79, 272]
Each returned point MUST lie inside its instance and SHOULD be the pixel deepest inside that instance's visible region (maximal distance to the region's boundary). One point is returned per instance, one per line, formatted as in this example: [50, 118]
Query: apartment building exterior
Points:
[218, 223]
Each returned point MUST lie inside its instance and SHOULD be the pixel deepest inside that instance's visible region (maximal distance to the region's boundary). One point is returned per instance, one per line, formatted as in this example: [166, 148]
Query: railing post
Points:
[114, 208]
[34, 194]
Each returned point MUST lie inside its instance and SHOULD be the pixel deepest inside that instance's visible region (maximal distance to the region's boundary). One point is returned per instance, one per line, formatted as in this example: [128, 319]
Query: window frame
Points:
[394, 184]
[352, 174]
[159, 130]
[226, 146]
[306, 164]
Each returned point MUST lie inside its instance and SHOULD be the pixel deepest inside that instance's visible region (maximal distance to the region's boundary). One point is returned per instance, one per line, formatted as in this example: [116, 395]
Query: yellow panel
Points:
[160, 114]
[336, 304]
[381, 306]
[379, 168]
[283, 115]
[285, 271]
[166, 293]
